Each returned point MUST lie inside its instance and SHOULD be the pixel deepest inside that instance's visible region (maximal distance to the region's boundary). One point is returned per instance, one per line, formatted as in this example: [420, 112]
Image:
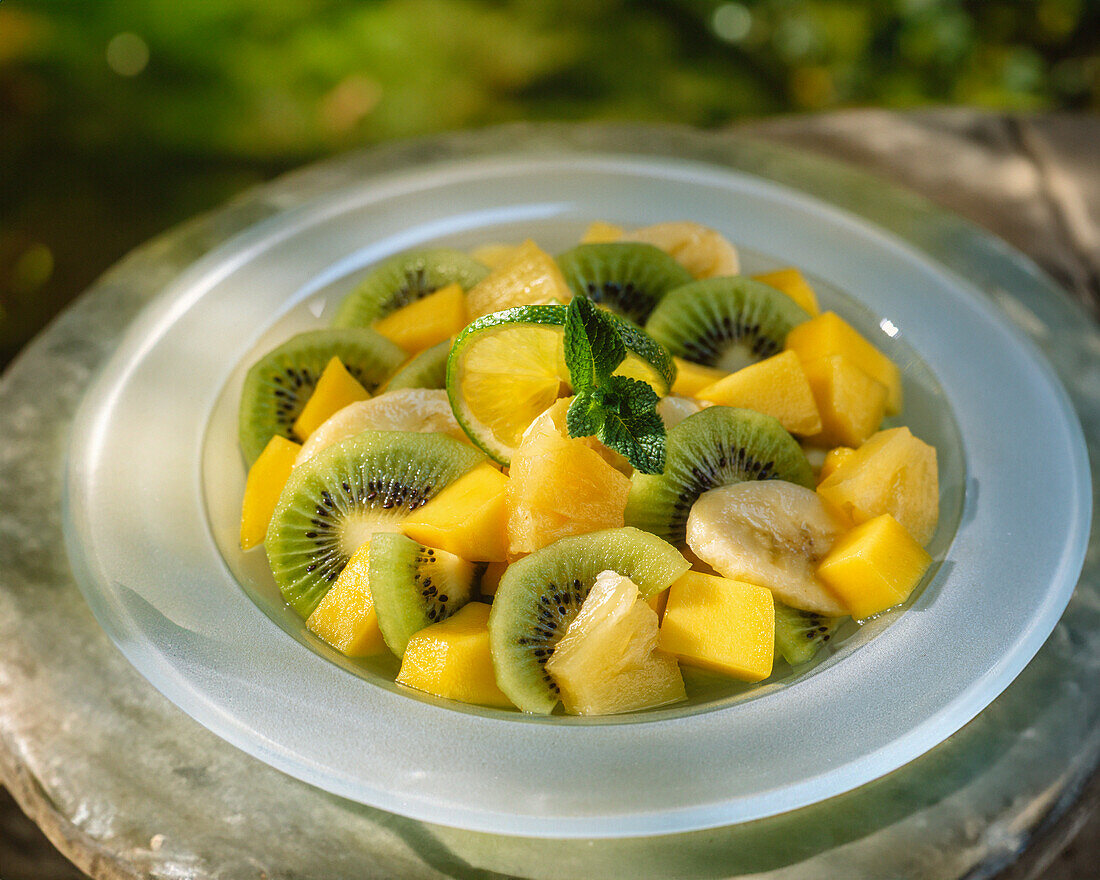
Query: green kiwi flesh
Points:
[726, 323]
[628, 278]
[715, 447]
[800, 634]
[336, 500]
[278, 385]
[414, 586]
[427, 370]
[539, 596]
[403, 279]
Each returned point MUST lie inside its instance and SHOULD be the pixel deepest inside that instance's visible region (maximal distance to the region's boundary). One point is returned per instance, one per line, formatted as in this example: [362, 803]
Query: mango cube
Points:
[468, 518]
[834, 458]
[776, 386]
[723, 625]
[600, 232]
[873, 567]
[345, 615]
[451, 659]
[828, 334]
[530, 276]
[426, 322]
[791, 282]
[335, 389]
[262, 488]
[850, 402]
[692, 377]
[490, 578]
[893, 472]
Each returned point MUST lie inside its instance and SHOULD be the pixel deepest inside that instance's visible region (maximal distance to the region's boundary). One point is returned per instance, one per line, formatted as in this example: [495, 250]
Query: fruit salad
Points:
[559, 481]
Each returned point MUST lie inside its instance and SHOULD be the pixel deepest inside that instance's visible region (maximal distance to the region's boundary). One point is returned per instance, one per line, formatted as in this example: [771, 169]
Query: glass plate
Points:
[154, 478]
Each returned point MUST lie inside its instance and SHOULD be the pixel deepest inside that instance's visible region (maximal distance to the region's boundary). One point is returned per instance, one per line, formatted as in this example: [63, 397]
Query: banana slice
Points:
[425, 410]
[770, 533]
[675, 408]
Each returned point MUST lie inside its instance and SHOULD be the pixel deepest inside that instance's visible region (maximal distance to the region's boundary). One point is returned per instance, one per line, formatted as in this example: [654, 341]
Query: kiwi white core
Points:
[357, 527]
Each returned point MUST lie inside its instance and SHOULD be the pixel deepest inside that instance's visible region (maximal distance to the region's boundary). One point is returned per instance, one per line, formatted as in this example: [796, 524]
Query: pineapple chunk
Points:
[607, 660]
[828, 334]
[345, 615]
[893, 472]
[776, 387]
[791, 282]
[834, 458]
[600, 232]
[468, 518]
[451, 659]
[850, 402]
[530, 276]
[426, 322]
[873, 567]
[704, 252]
[692, 377]
[559, 486]
[335, 389]
[262, 488]
[723, 625]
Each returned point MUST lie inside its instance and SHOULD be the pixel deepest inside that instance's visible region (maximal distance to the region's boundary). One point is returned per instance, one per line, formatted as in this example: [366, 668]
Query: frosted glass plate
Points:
[154, 480]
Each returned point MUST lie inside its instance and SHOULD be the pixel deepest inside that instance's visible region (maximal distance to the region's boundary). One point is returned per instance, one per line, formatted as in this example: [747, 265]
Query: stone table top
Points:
[1035, 181]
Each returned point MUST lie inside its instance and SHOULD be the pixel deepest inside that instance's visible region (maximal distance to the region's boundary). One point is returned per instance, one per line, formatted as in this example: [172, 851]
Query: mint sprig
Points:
[620, 411]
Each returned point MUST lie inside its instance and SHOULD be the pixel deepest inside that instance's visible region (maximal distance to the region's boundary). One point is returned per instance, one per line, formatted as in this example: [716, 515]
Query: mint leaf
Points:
[584, 415]
[593, 346]
[630, 424]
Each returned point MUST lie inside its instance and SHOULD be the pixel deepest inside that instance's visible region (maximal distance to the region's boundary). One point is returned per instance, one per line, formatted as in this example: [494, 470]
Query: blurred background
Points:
[119, 118]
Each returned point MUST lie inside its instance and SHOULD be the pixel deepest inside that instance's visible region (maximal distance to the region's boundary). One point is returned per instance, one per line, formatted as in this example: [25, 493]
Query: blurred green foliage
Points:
[119, 117]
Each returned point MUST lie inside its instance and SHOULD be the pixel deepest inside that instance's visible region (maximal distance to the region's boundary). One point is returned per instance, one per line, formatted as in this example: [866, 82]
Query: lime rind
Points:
[403, 279]
[522, 376]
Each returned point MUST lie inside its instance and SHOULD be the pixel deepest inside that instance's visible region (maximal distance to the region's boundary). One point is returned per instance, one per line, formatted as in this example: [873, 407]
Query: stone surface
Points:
[127, 786]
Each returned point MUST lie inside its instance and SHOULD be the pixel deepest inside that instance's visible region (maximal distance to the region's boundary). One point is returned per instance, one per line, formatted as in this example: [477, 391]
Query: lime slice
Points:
[506, 368]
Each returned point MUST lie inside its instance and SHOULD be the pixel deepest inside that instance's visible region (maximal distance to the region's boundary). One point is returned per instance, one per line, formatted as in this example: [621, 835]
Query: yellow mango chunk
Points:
[829, 334]
[833, 459]
[468, 518]
[600, 232]
[850, 402]
[262, 488]
[426, 322]
[335, 389]
[494, 254]
[723, 625]
[345, 615]
[776, 386]
[530, 276]
[557, 487]
[451, 659]
[873, 567]
[893, 472]
[658, 603]
[490, 578]
[692, 377]
[791, 282]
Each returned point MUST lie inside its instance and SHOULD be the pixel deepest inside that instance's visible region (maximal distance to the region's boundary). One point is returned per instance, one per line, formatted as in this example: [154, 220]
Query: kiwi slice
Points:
[338, 498]
[539, 596]
[403, 279]
[715, 447]
[414, 586]
[800, 634]
[629, 278]
[727, 323]
[427, 370]
[278, 385]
